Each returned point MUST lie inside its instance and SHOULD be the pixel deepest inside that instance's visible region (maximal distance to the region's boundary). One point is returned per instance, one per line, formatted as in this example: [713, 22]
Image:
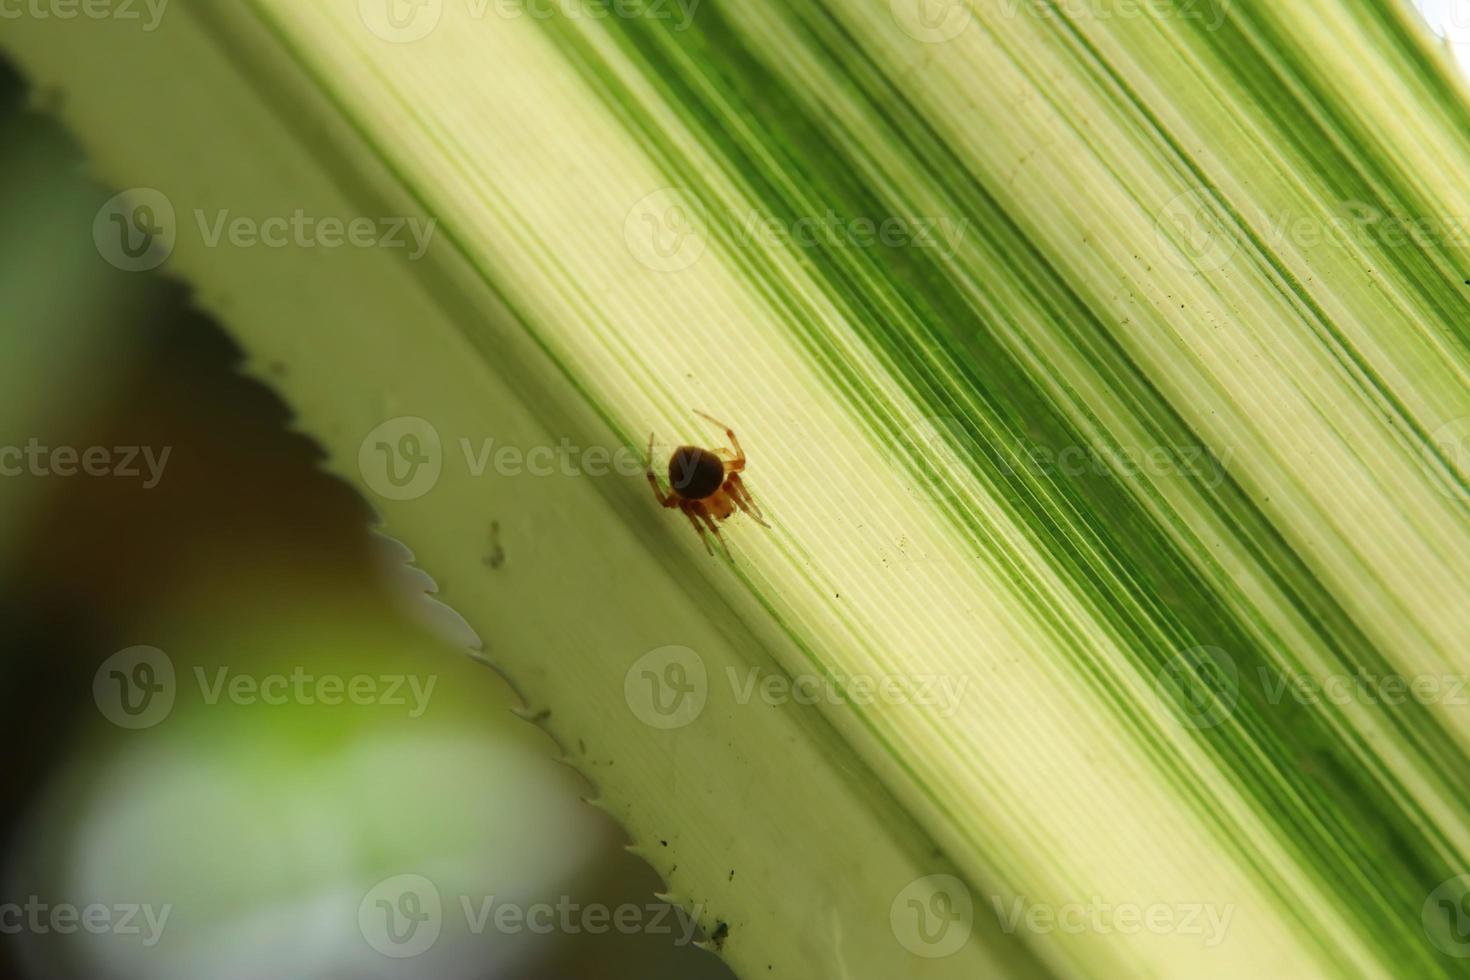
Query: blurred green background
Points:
[183, 796]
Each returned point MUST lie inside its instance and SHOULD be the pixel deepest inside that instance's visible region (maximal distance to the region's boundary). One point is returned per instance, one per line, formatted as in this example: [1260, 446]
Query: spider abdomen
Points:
[695, 473]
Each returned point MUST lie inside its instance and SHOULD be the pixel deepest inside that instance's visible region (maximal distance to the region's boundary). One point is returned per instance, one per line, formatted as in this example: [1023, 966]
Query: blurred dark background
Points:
[215, 831]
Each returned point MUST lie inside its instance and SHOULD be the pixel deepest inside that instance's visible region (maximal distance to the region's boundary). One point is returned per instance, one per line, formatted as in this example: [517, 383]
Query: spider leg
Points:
[715, 530]
[740, 493]
[665, 499]
[737, 461]
[689, 513]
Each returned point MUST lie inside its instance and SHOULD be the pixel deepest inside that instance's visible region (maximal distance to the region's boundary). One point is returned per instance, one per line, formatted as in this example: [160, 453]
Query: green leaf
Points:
[1102, 370]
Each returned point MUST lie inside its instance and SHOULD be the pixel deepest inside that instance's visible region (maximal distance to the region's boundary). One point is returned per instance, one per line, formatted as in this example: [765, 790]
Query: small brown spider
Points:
[706, 485]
